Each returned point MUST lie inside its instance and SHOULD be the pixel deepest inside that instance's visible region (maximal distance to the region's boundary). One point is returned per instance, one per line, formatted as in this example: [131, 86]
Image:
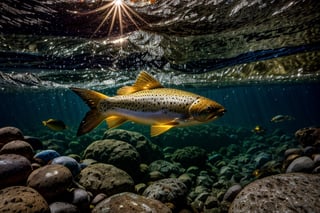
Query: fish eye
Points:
[210, 109]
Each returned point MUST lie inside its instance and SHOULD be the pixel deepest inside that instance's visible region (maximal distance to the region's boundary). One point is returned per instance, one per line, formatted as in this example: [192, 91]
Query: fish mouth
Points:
[221, 112]
[218, 114]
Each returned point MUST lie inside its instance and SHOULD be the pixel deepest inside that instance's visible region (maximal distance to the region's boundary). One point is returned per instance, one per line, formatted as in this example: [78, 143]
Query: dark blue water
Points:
[247, 106]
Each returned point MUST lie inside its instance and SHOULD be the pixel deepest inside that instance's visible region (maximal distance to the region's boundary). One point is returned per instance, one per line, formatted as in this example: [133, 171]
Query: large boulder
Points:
[105, 178]
[148, 151]
[291, 192]
[118, 153]
[129, 202]
[16, 199]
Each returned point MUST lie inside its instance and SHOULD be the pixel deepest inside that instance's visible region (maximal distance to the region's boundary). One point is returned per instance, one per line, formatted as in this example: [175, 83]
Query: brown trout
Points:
[147, 102]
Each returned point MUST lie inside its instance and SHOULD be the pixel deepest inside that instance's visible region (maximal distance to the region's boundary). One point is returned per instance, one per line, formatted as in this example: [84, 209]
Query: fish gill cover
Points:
[105, 43]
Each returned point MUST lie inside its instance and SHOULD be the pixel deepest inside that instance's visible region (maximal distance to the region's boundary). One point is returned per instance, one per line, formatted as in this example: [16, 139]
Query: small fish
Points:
[281, 118]
[258, 129]
[270, 168]
[54, 124]
[257, 173]
[147, 102]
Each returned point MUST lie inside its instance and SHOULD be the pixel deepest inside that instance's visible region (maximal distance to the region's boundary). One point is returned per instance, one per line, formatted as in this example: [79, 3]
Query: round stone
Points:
[16, 199]
[298, 192]
[156, 175]
[47, 155]
[186, 179]
[68, 162]
[50, 181]
[148, 151]
[289, 159]
[105, 178]
[18, 147]
[8, 134]
[167, 190]
[129, 202]
[14, 170]
[301, 164]
[309, 151]
[63, 207]
[98, 198]
[81, 198]
[292, 151]
[118, 153]
[232, 192]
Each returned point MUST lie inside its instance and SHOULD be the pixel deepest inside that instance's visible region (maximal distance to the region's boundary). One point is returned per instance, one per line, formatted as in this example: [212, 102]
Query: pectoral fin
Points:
[160, 128]
[115, 121]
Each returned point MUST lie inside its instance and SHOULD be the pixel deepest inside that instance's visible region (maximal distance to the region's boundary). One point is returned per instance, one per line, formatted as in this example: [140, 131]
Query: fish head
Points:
[205, 110]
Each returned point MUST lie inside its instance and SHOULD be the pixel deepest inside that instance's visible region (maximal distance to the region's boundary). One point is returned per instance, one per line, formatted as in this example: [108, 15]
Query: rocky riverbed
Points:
[124, 171]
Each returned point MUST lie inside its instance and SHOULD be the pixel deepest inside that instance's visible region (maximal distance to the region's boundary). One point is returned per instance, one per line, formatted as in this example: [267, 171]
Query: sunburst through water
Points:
[117, 11]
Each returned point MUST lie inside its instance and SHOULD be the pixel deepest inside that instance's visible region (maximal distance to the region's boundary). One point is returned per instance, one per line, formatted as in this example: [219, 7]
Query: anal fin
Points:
[115, 121]
[158, 129]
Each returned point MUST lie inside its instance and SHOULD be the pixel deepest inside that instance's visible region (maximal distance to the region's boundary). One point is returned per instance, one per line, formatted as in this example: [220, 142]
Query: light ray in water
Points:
[115, 10]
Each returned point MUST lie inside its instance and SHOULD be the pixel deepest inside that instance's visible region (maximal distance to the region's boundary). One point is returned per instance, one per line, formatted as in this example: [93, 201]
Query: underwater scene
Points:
[159, 106]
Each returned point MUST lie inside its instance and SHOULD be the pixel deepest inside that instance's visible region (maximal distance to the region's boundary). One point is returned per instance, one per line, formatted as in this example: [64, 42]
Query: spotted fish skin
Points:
[148, 102]
[162, 101]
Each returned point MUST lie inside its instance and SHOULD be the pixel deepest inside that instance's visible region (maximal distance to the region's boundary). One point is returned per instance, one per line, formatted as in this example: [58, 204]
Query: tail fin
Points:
[93, 118]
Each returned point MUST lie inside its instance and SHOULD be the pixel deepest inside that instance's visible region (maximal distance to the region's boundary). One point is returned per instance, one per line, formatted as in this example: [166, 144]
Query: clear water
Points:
[247, 106]
[257, 58]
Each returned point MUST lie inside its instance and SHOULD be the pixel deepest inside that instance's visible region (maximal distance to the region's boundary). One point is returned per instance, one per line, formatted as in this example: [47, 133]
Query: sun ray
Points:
[127, 8]
[120, 20]
[116, 10]
[103, 21]
[131, 18]
[104, 7]
[113, 20]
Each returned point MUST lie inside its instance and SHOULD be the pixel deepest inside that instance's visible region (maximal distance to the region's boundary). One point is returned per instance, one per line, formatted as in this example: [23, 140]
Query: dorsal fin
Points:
[144, 82]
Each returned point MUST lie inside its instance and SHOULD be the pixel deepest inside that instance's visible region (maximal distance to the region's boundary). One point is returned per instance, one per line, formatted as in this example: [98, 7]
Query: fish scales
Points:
[152, 101]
